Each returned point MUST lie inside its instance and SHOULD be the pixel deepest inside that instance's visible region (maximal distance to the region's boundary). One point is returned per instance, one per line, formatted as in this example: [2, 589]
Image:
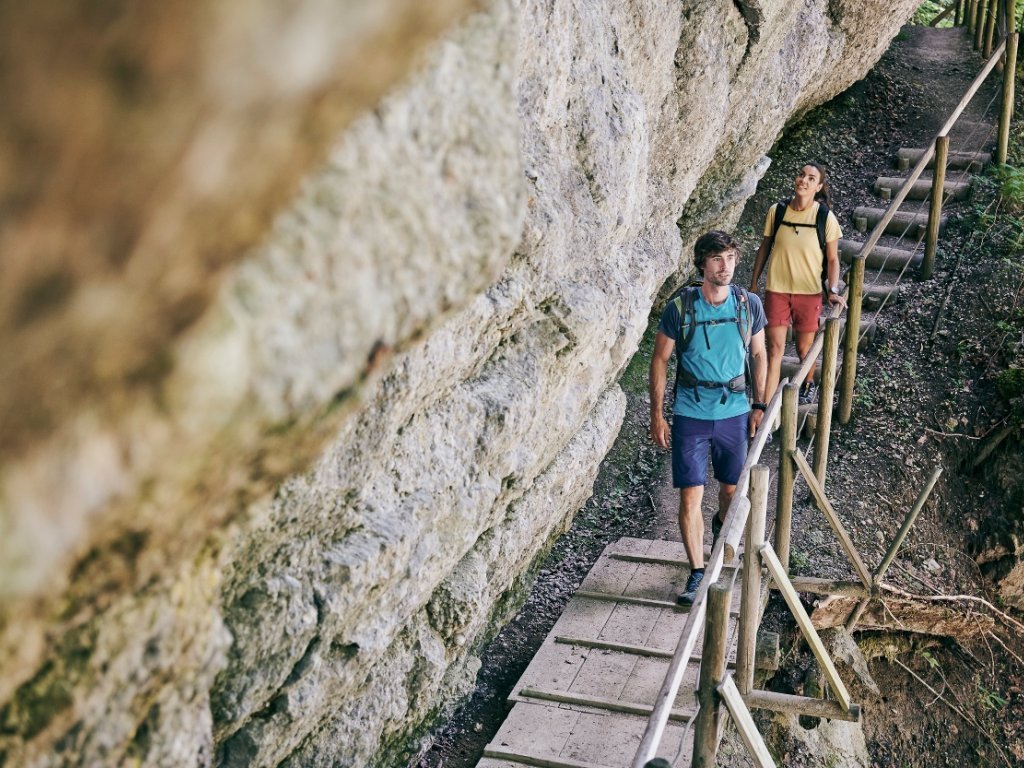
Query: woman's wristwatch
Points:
[759, 406]
[834, 289]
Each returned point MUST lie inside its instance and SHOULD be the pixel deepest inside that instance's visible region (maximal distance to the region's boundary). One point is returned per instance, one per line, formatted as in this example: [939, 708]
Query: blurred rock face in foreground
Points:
[312, 315]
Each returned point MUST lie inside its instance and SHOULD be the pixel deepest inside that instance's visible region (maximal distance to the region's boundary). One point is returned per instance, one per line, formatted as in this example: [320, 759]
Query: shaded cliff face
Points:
[272, 528]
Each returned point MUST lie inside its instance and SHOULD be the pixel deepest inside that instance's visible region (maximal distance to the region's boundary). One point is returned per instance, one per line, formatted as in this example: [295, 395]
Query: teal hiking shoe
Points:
[690, 593]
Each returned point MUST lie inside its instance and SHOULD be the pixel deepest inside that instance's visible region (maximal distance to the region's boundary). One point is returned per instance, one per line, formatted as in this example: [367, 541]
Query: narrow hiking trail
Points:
[879, 461]
[907, 98]
[920, 403]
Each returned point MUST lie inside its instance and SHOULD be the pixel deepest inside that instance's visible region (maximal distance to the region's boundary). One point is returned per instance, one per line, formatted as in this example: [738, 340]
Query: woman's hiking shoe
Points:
[808, 393]
[690, 593]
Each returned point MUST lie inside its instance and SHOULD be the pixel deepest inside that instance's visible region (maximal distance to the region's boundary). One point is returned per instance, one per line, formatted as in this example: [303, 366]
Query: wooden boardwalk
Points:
[584, 700]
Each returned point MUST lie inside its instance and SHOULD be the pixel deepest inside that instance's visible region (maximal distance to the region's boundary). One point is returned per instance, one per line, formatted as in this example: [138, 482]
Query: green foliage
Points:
[932, 662]
[863, 397]
[799, 561]
[1010, 383]
[928, 10]
[1011, 185]
[988, 699]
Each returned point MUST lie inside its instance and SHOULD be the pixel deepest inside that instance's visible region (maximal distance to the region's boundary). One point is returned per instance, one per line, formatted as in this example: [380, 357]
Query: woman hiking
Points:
[804, 249]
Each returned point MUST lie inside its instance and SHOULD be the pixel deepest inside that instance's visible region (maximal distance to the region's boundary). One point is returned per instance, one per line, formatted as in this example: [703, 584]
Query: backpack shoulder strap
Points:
[744, 322]
[820, 222]
[687, 325]
[780, 214]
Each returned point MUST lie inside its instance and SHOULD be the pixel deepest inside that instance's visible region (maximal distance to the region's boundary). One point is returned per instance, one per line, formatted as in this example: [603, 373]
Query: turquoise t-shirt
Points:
[717, 356]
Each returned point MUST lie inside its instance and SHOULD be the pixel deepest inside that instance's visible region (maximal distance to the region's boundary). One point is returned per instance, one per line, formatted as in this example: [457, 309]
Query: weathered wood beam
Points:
[712, 671]
[801, 705]
[751, 737]
[818, 586]
[904, 614]
[830, 514]
[750, 609]
[537, 761]
[806, 627]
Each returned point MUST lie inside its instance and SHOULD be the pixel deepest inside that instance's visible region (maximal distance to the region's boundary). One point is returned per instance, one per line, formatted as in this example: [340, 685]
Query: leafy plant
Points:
[1011, 185]
[929, 658]
[799, 560]
[862, 395]
[989, 700]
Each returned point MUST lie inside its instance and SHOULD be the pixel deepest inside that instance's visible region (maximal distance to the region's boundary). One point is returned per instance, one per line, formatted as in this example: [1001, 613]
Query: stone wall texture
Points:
[310, 325]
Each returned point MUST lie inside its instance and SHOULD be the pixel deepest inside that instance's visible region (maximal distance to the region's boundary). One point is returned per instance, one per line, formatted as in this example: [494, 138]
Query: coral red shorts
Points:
[802, 308]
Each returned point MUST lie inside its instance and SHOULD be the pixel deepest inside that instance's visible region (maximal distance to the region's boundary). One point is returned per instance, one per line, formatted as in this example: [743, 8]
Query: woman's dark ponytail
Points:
[824, 195]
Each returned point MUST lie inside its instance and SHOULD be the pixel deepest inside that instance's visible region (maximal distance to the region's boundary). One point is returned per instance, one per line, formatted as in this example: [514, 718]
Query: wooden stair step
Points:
[881, 257]
[791, 364]
[972, 161]
[807, 414]
[881, 290]
[921, 189]
[553, 735]
[909, 223]
[866, 324]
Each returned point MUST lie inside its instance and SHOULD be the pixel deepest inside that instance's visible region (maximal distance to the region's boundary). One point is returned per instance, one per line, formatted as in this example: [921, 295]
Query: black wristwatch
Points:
[759, 406]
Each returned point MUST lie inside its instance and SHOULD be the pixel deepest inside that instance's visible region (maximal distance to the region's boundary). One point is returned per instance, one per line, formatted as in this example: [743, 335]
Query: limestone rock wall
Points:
[283, 541]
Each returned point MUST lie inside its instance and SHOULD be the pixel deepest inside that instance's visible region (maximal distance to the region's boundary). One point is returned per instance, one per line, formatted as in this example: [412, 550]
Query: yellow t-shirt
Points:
[794, 265]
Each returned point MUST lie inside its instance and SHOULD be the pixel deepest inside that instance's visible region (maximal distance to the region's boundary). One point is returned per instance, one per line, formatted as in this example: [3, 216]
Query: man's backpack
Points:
[684, 300]
[820, 221]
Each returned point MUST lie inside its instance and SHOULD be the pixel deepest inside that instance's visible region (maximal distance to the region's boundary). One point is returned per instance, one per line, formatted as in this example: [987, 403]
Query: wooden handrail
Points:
[751, 737]
[850, 345]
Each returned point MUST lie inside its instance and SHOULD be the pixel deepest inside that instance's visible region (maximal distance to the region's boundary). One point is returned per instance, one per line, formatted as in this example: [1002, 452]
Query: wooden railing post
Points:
[1006, 111]
[971, 11]
[990, 26]
[855, 298]
[787, 472]
[979, 24]
[958, 14]
[712, 670]
[931, 241]
[829, 364]
[750, 598]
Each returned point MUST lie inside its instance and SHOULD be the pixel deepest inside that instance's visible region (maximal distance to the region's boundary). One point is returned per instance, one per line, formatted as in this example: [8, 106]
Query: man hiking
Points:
[712, 326]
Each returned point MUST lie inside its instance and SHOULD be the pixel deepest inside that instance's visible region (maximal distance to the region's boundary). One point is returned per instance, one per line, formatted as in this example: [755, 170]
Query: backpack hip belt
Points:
[737, 384]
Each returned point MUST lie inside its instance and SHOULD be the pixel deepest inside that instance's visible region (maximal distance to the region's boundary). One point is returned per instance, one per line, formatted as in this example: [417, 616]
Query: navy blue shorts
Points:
[690, 440]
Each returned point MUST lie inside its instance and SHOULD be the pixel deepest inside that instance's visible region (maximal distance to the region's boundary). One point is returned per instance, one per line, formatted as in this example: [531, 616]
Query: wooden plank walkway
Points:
[584, 700]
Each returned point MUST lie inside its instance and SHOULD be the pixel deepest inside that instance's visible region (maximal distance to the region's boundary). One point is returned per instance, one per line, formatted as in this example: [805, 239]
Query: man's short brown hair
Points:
[711, 244]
